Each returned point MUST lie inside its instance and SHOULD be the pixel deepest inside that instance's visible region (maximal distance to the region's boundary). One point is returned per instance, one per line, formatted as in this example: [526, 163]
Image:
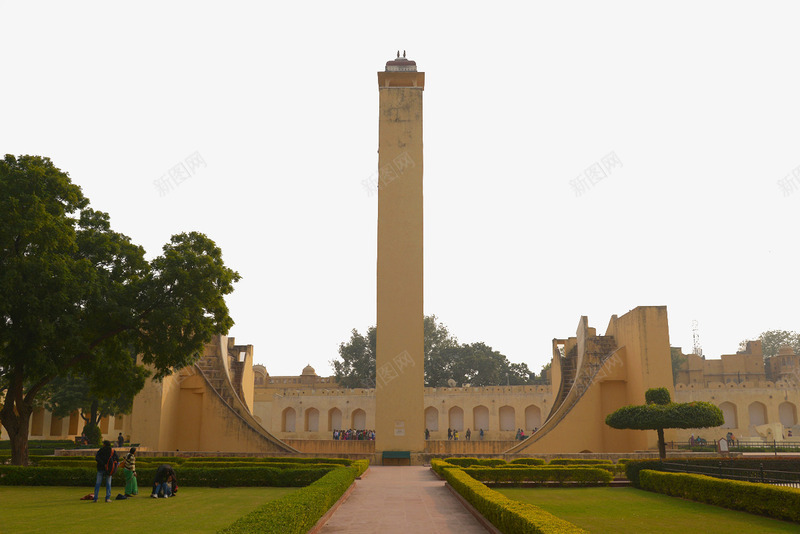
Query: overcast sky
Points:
[581, 158]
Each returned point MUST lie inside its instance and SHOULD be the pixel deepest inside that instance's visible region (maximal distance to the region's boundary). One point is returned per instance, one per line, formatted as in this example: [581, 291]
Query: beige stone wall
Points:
[745, 406]
[183, 412]
[520, 407]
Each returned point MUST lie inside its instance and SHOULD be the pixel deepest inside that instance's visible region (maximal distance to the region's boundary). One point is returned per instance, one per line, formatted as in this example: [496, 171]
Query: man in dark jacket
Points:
[165, 482]
[104, 454]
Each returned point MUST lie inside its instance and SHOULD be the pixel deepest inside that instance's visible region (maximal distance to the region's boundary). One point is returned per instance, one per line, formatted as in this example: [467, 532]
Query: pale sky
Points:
[273, 111]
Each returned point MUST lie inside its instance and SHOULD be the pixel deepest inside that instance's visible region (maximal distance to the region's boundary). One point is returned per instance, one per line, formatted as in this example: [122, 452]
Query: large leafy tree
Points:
[356, 367]
[445, 359]
[773, 340]
[660, 413]
[678, 360]
[110, 390]
[77, 299]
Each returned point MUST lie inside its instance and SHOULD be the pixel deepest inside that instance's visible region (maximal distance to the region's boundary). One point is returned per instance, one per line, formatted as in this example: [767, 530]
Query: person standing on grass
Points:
[129, 470]
[104, 454]
[120, 440]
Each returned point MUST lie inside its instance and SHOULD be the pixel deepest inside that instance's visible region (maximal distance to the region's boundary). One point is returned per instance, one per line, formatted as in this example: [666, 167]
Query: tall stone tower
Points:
[399, 407]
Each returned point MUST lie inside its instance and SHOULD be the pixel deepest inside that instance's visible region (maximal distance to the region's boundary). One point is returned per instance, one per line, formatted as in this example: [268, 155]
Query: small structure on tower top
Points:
[401, 64]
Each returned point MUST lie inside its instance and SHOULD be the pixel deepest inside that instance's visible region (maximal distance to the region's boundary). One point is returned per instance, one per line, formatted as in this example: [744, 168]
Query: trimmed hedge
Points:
[632, 467]
[585, 475]
[207, 477]
[439, 466]
[287, 460]
[506, 514]
[528, 461]
[468, 461]
[360, 466]
[762, 499]
[578, 461]
[299, 512]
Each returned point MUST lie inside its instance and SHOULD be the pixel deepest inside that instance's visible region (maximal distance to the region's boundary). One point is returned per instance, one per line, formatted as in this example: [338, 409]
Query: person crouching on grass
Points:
[165, 482]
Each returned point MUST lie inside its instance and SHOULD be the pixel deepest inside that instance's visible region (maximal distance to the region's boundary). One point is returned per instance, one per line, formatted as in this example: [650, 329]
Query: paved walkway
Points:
[401, 499]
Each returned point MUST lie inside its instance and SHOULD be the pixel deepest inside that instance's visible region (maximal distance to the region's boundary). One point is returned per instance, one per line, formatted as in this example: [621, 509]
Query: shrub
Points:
[360, 466]
[585, 475]
[93, 434]
[633, 467]
[506, 514]
[492, 462]
[289, 460]
[439, 466]
[462, 462]
[299, 512]
[762, 499]
[578, 461]
[209, 477]
[528, 461]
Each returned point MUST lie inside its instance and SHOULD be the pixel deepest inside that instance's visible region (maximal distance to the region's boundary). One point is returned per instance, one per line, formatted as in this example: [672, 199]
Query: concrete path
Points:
[401, 499]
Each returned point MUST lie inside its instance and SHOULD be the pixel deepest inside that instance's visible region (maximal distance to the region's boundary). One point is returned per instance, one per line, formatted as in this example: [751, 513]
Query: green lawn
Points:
[621, 510]
[54, 510]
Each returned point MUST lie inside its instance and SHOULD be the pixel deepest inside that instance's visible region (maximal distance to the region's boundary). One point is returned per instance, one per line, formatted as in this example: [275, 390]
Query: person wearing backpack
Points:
[129, 470]
[107, 462]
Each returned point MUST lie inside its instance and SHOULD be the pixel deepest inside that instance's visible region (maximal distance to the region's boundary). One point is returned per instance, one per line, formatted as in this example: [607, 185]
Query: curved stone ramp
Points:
[401, 500]
[597, 353]
[212, 367]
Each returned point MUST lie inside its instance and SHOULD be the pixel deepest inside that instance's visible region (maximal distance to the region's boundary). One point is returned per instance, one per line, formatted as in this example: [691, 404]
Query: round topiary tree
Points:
[660, 413]
[93, 434]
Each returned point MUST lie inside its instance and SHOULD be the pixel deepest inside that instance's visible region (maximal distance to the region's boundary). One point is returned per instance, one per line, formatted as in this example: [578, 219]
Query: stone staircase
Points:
[574, 383]
[210, 366]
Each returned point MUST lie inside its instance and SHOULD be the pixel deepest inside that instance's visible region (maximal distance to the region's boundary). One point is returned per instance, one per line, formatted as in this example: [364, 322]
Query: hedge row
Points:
[175, 460]
[207, 477]
[762, 499]
[585, 475]
[578, 461]
[468, 461]
[201, 459]
[770, 463]
[528, 461]
[504, 513]
[298, 512]
[633, 467]
[493, 462]
[42, 444]
[140, 464]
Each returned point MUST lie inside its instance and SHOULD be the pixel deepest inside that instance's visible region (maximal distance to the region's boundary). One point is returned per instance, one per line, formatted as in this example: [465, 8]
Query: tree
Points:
[108, 392]
[773, 340]
[445, 359]
[357, 366]
[660, 413]
[439, 344]
[77, 298]
[543, 377]
[678, 359]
